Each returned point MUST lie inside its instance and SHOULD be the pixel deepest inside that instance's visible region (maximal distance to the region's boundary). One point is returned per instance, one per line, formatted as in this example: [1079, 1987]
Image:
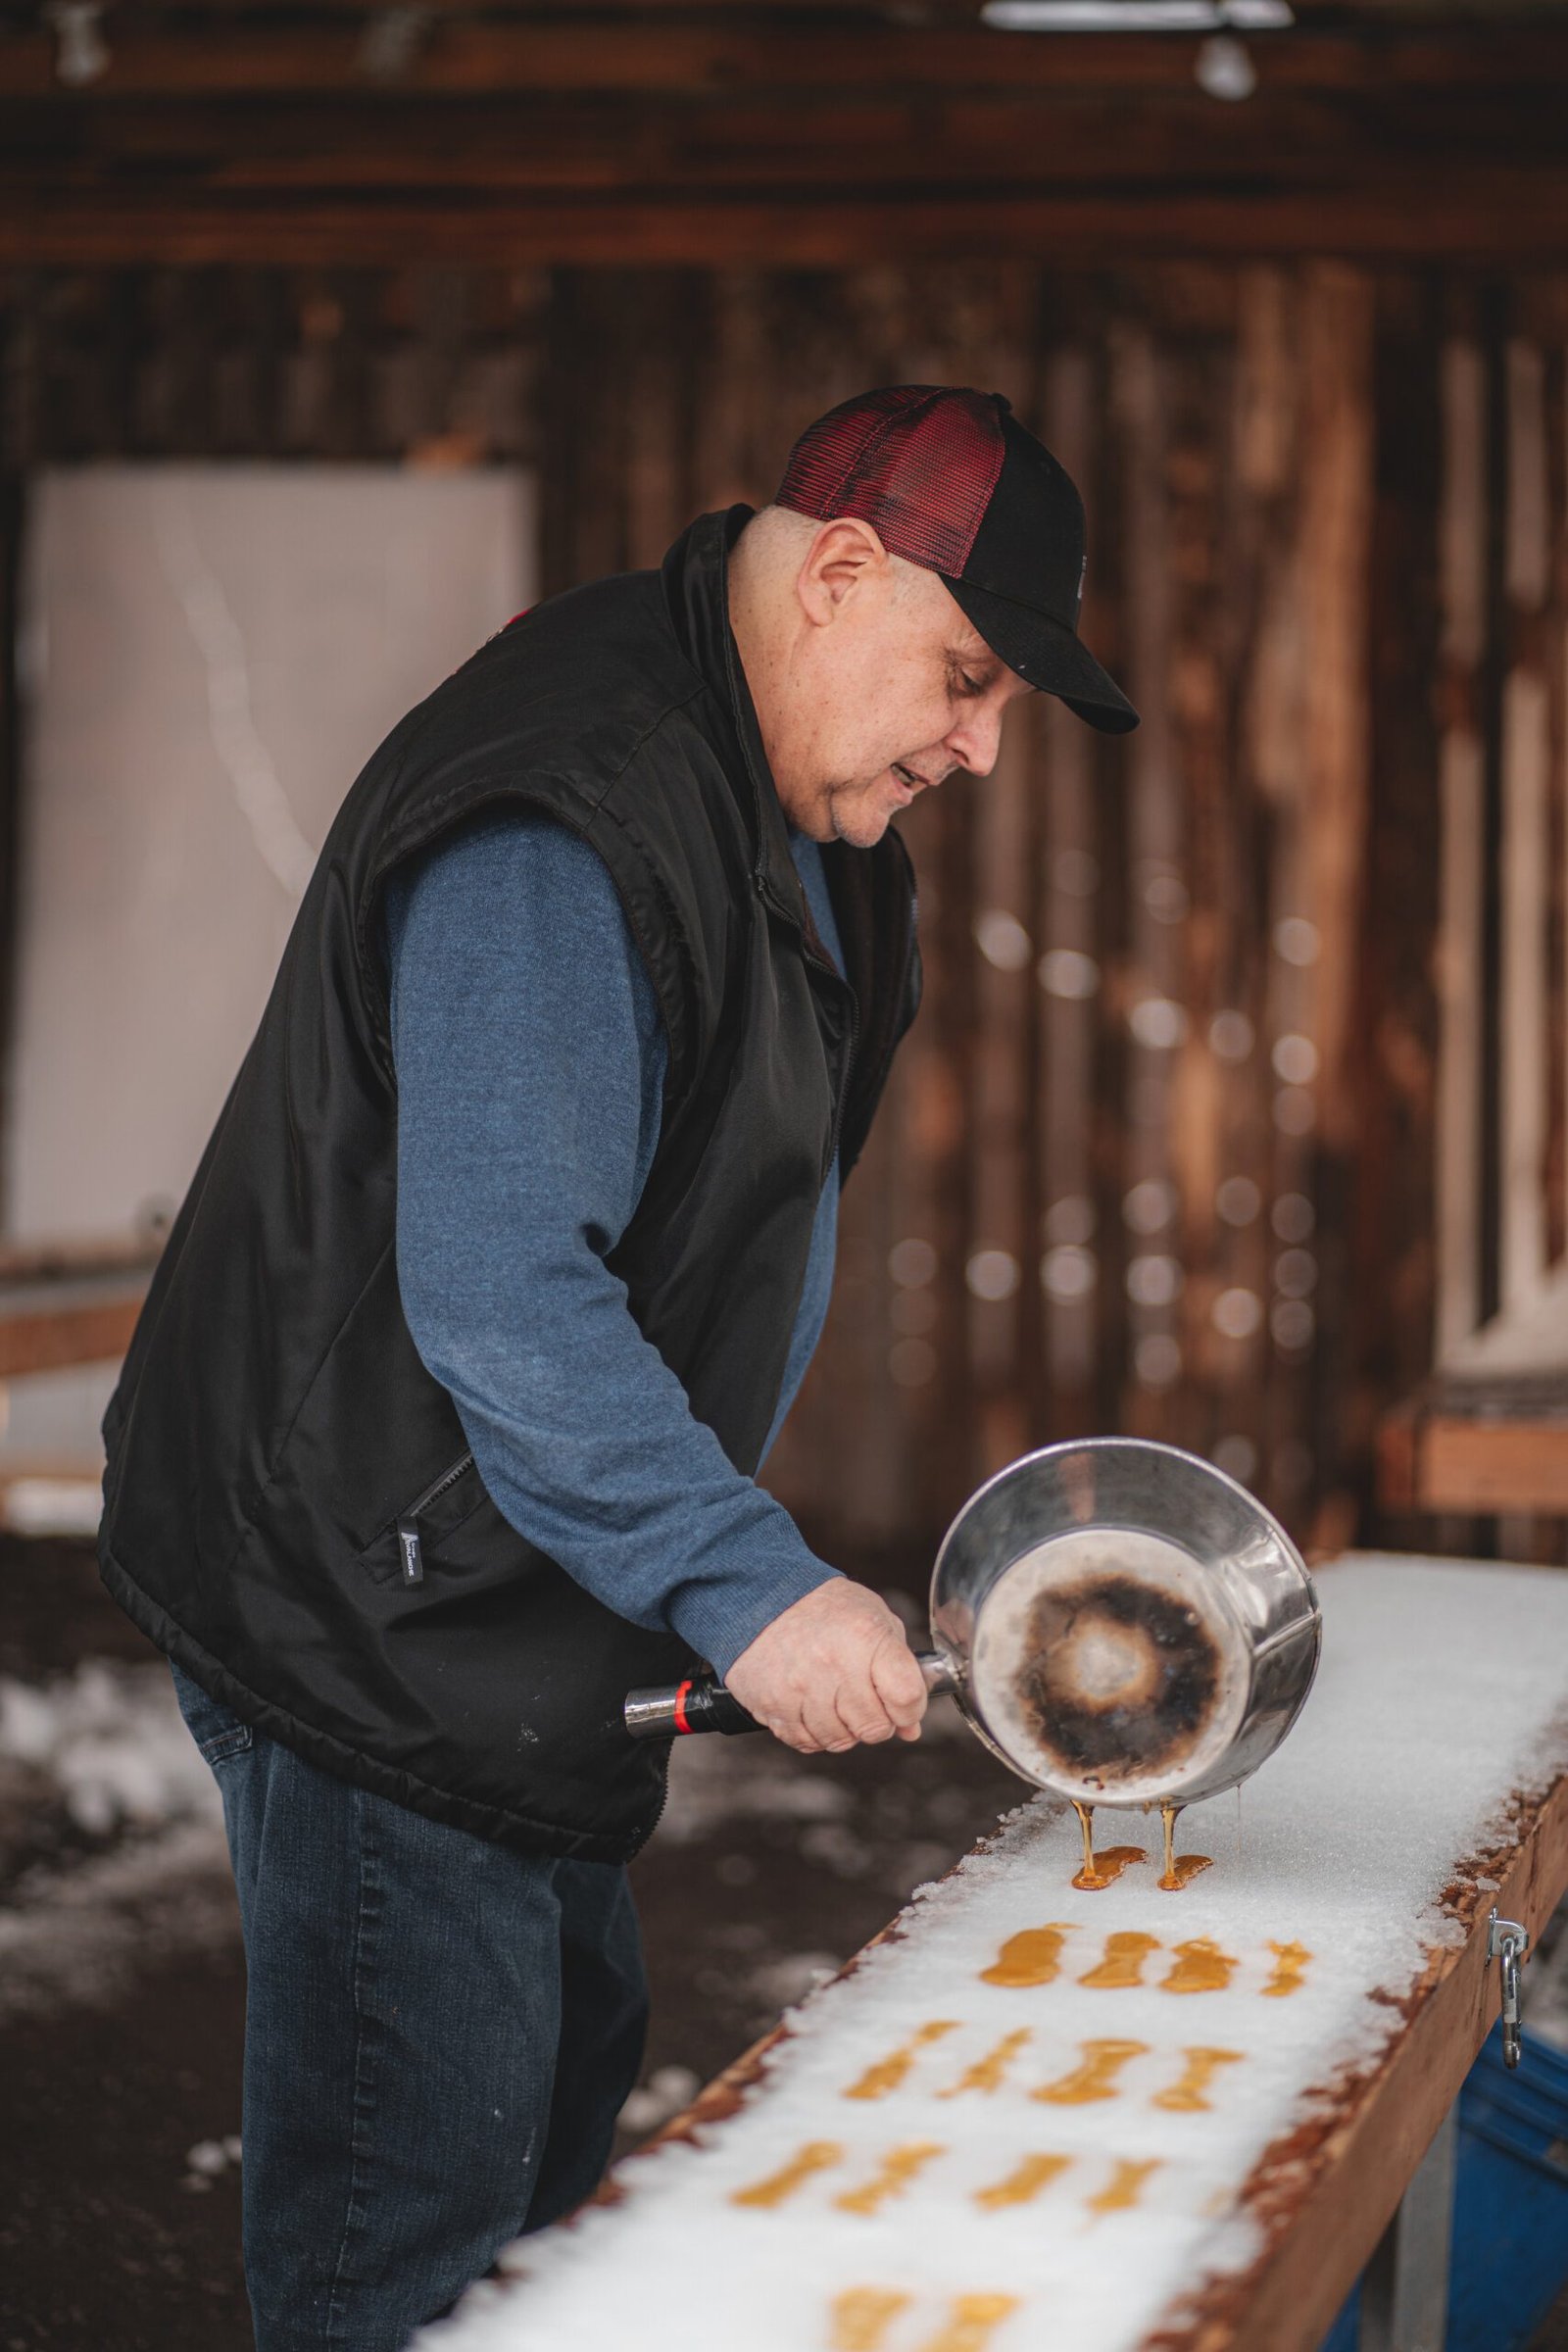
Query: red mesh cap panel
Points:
[917, 461]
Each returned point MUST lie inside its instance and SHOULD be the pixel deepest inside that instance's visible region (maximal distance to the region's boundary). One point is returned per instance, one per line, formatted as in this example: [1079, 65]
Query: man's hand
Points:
[832, 1670]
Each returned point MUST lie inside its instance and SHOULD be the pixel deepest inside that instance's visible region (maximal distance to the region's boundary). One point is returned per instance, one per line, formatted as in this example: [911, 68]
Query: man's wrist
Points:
[721, 1621]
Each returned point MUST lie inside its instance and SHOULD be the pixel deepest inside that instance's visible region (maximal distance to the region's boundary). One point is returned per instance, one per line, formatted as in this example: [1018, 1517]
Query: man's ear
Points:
[845, 558]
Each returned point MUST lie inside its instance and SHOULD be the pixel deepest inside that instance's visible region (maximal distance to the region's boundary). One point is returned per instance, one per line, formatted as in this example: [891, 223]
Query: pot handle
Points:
[675, 1710]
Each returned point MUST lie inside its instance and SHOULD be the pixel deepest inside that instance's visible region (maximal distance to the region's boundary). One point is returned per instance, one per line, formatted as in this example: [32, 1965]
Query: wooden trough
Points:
[1030, 2115]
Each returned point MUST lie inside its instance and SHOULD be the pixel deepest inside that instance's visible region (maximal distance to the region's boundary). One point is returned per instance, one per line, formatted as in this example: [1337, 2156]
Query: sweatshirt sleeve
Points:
[530, 1063]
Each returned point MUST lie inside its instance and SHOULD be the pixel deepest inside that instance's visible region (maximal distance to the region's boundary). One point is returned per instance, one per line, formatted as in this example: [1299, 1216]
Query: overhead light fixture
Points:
[81, 54]
[1138, 15]
[1224, 69]
[392, 39]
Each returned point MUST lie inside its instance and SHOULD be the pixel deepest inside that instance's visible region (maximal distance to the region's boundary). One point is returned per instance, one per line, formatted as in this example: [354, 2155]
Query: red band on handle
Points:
[681, 1723]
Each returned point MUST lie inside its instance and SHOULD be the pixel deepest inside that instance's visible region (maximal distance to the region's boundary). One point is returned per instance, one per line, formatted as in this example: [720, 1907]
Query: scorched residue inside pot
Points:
[1117, 1676]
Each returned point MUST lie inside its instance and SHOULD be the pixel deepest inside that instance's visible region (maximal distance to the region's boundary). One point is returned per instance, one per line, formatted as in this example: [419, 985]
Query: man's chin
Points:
[859, 817]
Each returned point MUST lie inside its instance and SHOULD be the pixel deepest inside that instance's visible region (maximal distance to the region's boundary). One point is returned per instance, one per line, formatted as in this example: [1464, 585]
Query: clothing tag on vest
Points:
[411, 1552]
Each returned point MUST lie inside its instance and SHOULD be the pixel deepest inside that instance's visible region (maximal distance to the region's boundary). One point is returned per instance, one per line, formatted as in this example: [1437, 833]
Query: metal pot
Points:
[1123, 1624]
[1120, 1622]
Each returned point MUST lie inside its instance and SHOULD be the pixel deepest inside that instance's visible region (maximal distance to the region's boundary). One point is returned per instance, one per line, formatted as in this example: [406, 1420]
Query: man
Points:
[501, 1266]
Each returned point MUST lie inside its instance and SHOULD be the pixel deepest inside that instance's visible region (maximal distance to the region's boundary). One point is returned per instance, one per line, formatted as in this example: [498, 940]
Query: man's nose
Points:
[975, 741]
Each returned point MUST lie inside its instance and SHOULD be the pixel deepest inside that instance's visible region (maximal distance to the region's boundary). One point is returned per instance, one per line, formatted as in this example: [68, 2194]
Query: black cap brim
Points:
[1046, 655]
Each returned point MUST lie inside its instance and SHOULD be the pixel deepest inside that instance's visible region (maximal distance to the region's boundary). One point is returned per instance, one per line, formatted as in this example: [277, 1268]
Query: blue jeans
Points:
[439, 2034]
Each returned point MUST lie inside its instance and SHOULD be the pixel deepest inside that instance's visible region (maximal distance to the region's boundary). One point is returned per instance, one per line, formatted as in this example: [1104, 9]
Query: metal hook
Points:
[1508, 1942]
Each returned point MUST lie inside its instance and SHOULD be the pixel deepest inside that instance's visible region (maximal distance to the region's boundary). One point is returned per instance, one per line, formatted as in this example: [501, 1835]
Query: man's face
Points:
[887, 690]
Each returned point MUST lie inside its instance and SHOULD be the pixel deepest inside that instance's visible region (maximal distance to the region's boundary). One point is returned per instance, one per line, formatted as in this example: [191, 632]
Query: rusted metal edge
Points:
[1324, 2191]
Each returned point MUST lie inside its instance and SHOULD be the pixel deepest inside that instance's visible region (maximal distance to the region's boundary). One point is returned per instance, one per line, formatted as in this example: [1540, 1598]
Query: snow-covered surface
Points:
[917, 2206]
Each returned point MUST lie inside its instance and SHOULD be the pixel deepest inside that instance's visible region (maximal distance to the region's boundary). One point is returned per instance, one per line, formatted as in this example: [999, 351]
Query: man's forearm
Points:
[530, 1064]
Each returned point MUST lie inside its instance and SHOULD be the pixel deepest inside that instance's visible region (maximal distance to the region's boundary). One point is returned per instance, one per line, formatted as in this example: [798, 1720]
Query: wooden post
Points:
[11, 531]
[1395, 1048]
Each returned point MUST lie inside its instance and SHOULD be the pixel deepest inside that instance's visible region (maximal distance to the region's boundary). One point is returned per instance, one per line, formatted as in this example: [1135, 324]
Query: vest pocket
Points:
[401, 1548]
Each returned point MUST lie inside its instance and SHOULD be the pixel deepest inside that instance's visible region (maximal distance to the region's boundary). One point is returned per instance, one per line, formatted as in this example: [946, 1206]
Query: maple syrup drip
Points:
[986, 2071]
[1095, 2079]
[1124, 2187]
[1290, 1969]
[888, 2073]
[972, 2321]
[1033, 1957]
[1123, 1963]
[899, 2168]
[1187, 2097]
[1200, 1967]
[816, 2156]
[1108, 1866]
[1023, 2183]
[1180, 1869]
[863, 2316]
[1086, 1822]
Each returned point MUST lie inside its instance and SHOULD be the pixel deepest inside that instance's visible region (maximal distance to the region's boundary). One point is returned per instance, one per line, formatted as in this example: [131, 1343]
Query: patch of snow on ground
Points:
[1441, 1693]
[114, 1743]
[739, 1778]
[667, 2089]
[86, 1935]
[52, 1507]
[114, 1740]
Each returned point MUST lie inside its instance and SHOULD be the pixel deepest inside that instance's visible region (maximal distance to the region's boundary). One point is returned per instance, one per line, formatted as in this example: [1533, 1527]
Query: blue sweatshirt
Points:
[530, 1063]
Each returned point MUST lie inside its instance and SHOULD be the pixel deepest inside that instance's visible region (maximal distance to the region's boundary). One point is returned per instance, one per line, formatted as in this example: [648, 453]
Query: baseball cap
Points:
[949, 479]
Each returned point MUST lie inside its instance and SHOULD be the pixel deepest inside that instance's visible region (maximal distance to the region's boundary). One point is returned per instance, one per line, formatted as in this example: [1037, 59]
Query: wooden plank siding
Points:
[1186, 1139]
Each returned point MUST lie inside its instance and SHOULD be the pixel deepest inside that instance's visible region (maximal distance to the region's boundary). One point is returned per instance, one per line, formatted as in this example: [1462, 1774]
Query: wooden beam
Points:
[1325, 2196]
[53, 1338]
[1520, 216]
[483, 57]
[30, 1262]
[991, 145]
[1442, 1462]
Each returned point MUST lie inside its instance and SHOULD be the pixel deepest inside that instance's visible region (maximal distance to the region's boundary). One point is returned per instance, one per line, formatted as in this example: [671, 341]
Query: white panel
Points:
[210, 654]
[1527, 774]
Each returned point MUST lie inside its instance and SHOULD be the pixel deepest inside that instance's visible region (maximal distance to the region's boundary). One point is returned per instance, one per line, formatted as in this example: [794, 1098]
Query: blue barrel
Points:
[1509, 2261]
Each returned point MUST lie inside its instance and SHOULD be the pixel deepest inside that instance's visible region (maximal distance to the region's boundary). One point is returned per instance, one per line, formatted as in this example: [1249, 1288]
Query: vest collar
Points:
[696, 576]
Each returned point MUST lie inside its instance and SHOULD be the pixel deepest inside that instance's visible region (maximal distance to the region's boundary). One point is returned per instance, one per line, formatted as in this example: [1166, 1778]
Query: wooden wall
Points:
[1185, 1141]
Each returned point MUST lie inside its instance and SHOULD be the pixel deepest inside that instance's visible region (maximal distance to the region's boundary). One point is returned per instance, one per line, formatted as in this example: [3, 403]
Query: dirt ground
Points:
[122, 1983]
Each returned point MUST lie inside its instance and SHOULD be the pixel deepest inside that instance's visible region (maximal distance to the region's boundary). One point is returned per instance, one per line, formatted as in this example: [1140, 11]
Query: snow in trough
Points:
[919, 2170]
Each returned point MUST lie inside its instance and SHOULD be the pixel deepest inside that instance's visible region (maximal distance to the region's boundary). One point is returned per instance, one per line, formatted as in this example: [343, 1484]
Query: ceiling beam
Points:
[483, 57]
[1003, 148]
[1518, 215]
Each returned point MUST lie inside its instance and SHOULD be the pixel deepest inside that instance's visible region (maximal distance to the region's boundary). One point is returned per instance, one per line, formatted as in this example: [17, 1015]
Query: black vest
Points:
[274, 1421]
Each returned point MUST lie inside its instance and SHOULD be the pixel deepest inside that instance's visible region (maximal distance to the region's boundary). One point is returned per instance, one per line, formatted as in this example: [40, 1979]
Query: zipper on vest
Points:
[852, 1040]
[410, 1551]
[822, 963]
